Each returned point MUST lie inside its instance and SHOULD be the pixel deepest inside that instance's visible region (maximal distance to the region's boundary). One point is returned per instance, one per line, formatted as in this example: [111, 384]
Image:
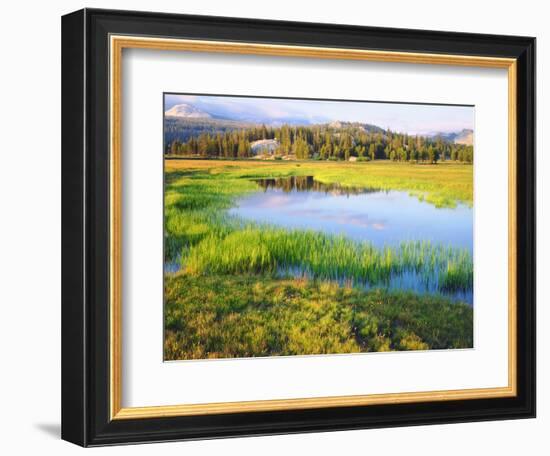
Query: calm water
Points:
[381, 217]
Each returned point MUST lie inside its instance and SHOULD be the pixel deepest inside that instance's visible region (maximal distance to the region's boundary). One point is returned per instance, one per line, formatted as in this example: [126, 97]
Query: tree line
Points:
[324, 142]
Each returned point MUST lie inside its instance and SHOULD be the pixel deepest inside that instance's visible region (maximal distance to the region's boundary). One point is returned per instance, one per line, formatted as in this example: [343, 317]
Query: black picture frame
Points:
[85, 228]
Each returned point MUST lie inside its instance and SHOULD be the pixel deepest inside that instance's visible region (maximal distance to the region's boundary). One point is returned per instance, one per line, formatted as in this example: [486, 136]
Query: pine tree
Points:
[372, 151]
[323, 152]
[174, 149]
[243, 149]
[431, 154]
[453, 153]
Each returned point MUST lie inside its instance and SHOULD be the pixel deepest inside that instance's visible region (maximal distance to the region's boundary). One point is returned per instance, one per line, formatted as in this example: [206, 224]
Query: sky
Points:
[404, 118]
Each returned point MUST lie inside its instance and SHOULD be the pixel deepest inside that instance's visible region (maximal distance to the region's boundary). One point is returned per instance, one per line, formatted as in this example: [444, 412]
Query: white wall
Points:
[30, 226]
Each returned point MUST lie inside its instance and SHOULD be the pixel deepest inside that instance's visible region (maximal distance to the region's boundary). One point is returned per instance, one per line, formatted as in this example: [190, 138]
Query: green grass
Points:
[267, 250]
[443, 185]
[244, 316]
[206, 241]
[230, 299]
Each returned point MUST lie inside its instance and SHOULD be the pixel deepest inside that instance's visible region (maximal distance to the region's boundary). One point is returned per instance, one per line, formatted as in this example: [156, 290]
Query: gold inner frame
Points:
[117, 44]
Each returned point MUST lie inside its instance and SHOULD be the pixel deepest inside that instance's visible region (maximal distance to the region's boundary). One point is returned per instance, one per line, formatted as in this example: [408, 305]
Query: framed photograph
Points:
[278, 227]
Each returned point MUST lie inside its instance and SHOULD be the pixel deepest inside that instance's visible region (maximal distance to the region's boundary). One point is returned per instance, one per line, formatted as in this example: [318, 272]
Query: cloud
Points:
[407, 118]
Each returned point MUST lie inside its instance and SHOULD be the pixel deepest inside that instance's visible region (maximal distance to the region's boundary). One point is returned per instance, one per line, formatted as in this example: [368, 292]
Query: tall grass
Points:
[207, 241]
[267, 250]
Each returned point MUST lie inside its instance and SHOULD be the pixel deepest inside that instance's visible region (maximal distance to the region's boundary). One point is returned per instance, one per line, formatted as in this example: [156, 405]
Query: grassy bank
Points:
[242, 316]
[443, 185]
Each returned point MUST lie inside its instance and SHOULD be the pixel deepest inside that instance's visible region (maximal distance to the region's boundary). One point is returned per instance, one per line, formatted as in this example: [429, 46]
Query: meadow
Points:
[234, 295]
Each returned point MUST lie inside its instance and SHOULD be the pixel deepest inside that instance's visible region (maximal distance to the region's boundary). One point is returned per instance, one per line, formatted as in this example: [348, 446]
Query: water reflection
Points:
[308, 183]
[408, 280]
[383, 218]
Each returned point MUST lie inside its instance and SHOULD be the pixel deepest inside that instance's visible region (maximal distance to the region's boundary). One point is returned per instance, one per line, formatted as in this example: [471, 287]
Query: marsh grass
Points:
[208, 241]
[231, 298]
[443, 185]
[267, 250]
[244, 316]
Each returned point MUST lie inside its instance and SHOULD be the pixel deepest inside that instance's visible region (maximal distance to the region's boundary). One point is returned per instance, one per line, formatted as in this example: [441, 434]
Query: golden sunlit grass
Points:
[245, 316]
[443, 184]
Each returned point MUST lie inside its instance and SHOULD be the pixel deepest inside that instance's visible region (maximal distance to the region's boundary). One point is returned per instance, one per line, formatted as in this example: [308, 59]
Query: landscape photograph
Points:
[315, 227]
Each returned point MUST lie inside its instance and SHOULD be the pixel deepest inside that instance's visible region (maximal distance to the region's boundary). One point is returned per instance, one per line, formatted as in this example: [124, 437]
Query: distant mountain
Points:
[187, 111]
[185, 120]
[181, 123]
[259, 118]
[288, 120]
[182, 128]
[251, 114]
[369, 128]
[465, 136]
